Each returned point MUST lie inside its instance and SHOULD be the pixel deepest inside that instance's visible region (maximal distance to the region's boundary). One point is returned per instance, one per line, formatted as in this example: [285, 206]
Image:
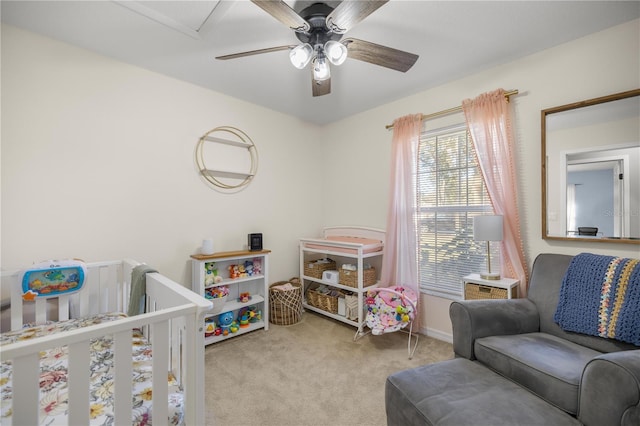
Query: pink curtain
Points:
[399, 265]
[489, 121]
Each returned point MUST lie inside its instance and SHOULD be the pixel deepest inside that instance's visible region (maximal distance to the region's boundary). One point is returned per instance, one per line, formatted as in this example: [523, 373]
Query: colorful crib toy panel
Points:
[52, 279]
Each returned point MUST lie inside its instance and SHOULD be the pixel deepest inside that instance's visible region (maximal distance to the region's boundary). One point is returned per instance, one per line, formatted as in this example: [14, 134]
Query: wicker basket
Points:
[477, 291]
[285, 306]
[315, 269]
[325, 302]
[350, 278]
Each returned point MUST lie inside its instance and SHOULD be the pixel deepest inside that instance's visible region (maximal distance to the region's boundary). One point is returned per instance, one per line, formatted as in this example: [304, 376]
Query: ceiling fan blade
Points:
[320, 87]
[254, 52]
[283, 13]
[348, 13]
[379, 55]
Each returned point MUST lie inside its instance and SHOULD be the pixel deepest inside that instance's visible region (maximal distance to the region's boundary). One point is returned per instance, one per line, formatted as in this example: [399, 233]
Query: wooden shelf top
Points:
[223, 254]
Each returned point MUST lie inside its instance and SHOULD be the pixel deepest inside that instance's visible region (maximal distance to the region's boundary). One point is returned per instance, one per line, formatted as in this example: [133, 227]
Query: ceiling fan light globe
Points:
[301, 55]
[321, 70]
[336, 52]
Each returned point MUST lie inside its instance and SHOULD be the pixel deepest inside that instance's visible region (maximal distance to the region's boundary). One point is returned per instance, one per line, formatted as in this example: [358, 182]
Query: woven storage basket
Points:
[477, 291]
[325, 302]
[350, 278]
[285, 306]
[315, 269]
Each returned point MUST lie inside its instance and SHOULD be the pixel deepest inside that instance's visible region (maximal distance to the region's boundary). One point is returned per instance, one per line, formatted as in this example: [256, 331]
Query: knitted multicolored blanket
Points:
[600, 296]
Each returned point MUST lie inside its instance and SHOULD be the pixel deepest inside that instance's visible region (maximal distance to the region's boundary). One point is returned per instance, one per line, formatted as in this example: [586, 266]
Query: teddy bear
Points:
[234, 272]
[248, 267]
[211, 273]
[257, 266]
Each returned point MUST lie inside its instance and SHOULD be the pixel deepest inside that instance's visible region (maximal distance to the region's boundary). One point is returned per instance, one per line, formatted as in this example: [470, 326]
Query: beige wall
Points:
[97, 157]
[98, 163]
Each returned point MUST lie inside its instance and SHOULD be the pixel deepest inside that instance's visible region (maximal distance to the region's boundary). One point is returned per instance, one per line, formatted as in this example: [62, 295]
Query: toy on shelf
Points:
[242, 271]
[249, 315]
[244, 297]
[211, 274]
[210, 327]
[234, 271]
[216, 292]
[227, 324]
[257, 266]
[248, 267]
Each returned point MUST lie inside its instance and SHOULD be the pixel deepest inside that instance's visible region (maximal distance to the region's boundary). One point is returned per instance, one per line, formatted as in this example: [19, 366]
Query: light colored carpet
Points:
[310, 373]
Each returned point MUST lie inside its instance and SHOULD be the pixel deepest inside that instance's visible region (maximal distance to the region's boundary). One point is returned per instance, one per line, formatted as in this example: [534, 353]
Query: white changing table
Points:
[312, 249]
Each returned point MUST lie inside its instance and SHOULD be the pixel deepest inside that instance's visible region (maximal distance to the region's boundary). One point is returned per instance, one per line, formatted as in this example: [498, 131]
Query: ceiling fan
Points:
[320, 28]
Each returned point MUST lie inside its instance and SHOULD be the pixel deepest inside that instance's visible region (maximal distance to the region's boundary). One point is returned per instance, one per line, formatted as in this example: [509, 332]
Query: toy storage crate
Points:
[326, 302]
[478, 291]
[285, 306]
[316, 268]
[350, 278]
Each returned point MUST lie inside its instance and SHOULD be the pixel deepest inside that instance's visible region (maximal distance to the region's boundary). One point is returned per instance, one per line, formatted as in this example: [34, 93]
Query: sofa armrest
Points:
[472, 319]
[610, 390]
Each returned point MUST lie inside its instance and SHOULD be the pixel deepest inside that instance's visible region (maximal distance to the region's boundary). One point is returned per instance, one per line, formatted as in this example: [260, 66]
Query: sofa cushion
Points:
[462, 392]
[547, 365]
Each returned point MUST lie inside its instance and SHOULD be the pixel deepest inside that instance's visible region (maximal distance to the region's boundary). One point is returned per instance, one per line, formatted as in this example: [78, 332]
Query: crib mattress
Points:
[54, 369]
[369, 245]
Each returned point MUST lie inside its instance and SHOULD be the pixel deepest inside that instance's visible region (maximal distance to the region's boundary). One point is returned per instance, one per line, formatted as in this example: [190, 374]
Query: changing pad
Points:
[369, 245]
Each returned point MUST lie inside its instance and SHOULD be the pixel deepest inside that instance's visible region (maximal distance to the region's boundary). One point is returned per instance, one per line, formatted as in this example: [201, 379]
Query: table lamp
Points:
[488, 228]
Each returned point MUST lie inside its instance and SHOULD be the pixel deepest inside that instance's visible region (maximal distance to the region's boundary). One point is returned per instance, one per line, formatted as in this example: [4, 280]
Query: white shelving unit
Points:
[312, 249]
[256, 285]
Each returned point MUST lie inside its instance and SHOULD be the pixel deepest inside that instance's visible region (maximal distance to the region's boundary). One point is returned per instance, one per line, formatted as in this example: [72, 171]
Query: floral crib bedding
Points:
[54, 369]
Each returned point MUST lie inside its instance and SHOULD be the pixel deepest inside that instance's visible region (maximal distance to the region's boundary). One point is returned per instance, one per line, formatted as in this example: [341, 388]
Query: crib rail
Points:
[172, 321]
[25, 358]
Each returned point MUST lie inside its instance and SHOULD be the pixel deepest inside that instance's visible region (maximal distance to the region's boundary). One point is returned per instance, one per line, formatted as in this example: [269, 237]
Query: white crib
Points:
[172, 322]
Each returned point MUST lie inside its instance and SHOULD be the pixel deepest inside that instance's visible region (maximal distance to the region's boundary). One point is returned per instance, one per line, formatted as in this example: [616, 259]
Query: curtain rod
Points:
[452, 110]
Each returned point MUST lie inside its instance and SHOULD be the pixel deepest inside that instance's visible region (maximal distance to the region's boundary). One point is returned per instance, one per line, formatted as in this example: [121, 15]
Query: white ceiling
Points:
[182, 38]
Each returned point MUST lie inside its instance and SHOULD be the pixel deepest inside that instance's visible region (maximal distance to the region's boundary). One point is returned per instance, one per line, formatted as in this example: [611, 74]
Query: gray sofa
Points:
[514, 365]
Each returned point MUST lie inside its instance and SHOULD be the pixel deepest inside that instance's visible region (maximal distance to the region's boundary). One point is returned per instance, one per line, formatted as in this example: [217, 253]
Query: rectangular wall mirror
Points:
[591, 170]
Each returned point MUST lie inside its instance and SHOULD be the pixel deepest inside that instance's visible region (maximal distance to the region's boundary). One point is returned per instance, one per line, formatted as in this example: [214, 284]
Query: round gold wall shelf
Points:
[227, 158]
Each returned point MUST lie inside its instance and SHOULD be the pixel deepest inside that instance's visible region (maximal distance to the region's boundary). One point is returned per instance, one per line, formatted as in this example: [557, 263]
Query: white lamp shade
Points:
[321, 70]
[487, 228]
[301, 55]
[336, 52]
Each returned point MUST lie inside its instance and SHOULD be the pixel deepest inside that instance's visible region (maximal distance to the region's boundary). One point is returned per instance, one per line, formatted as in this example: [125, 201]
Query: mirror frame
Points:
[575, 105]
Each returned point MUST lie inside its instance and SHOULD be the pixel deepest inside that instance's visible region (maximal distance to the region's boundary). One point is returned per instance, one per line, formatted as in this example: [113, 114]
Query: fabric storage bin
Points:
[350, 278]
[285, 305]
[316, 268]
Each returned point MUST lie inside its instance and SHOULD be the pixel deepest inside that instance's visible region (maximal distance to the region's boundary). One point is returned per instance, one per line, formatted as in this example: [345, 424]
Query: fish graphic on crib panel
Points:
[53, 278]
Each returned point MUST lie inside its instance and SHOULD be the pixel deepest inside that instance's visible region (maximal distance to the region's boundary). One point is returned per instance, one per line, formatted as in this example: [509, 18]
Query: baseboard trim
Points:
[437, 334]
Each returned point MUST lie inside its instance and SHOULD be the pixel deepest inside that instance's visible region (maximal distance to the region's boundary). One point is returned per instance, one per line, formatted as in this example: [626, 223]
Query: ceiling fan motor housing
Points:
[319, 34]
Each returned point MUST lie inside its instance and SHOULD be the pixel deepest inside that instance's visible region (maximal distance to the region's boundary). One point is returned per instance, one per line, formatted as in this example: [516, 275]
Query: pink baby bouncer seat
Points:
[391, 309]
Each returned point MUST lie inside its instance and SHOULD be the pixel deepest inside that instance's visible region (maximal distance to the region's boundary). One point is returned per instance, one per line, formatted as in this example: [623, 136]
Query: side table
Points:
[476, 287]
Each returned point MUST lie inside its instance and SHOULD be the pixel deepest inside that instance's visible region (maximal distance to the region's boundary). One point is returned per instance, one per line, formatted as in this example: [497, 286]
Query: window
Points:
[450, 192]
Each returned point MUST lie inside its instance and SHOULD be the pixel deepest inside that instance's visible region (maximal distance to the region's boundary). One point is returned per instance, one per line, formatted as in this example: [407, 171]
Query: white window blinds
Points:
[450, 193]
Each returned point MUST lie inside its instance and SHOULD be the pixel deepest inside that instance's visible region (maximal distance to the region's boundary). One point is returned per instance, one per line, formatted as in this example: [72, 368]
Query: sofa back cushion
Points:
[544, 290]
